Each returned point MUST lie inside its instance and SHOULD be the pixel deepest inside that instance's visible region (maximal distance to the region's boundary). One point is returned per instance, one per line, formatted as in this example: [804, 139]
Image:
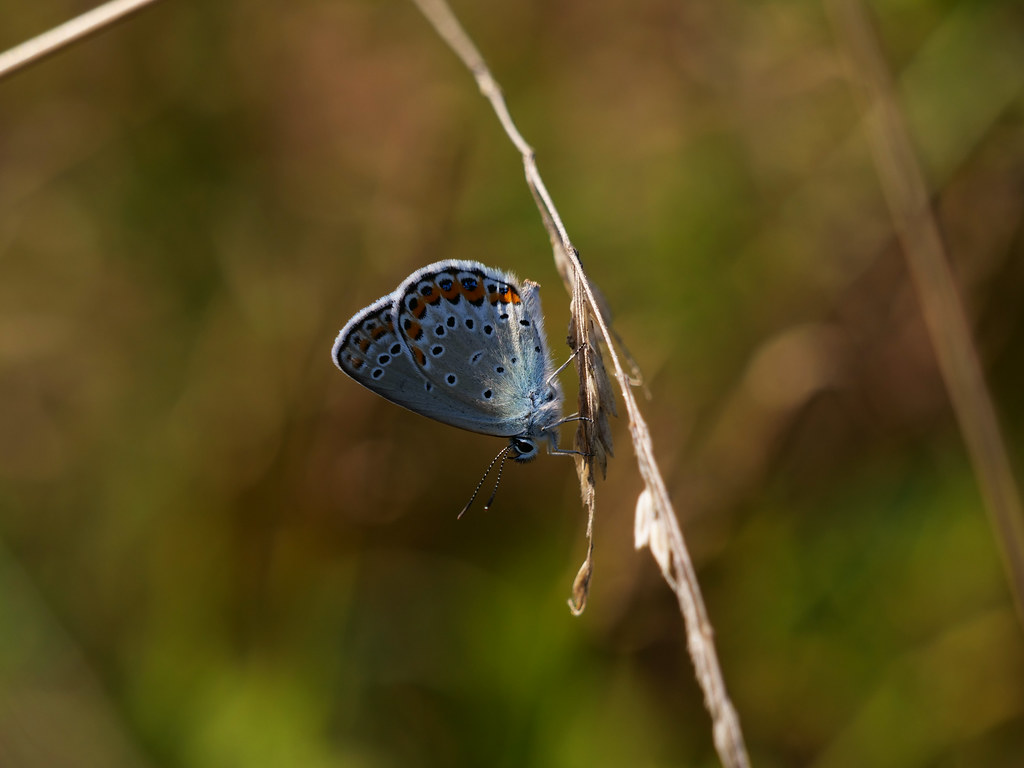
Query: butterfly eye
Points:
[523, 449]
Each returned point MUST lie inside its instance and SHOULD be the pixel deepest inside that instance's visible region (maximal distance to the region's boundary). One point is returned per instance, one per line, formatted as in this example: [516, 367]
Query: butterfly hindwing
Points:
[369, 350]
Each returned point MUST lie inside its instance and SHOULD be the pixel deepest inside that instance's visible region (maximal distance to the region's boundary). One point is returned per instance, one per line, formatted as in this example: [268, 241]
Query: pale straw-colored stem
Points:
[909, 204]
[656, 516]
[53, 40]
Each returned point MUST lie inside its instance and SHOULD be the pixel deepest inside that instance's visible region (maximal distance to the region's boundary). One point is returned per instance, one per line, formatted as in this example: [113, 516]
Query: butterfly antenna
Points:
[487, 471]
[496, 482]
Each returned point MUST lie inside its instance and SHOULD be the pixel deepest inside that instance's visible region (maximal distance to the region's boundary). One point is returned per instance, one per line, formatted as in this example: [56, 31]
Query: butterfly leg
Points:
[573, 417]
[563, 365]
[567, 452]
[553, 448]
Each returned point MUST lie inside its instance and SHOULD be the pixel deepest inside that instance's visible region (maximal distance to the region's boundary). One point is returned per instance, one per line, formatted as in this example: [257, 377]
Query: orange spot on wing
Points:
[378, 331]
[363, 342]
[474, 295]
[420, 357]
[453, 291]
[413, 330]
[509, 296]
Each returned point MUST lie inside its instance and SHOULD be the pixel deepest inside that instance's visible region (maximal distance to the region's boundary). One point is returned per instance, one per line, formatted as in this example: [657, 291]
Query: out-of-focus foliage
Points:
[216, 550]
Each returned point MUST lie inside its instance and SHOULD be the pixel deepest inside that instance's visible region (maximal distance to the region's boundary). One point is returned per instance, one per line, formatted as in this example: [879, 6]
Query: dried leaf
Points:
[581, 584]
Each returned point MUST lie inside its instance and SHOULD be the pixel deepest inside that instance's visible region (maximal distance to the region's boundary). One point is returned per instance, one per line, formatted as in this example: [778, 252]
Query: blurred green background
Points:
[216, 550]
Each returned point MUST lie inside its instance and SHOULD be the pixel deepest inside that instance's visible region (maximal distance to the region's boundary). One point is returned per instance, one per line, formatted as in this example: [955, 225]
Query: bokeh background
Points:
[216, 550]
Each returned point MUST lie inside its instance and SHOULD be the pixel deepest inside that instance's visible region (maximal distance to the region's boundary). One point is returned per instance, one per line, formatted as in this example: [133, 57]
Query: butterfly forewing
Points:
[460, 323]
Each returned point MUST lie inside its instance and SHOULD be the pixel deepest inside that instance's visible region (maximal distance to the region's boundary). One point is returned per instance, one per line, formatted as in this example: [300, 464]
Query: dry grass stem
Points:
[909, 203]
[657, 526]
[78, 28]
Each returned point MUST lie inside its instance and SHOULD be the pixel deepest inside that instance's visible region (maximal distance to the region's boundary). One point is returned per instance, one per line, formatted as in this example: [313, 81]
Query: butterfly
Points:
[464, 344]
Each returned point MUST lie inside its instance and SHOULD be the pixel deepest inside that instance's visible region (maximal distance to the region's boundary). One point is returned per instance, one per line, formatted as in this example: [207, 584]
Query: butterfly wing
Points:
[478, 338]
[369, 350]
[465, 350]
